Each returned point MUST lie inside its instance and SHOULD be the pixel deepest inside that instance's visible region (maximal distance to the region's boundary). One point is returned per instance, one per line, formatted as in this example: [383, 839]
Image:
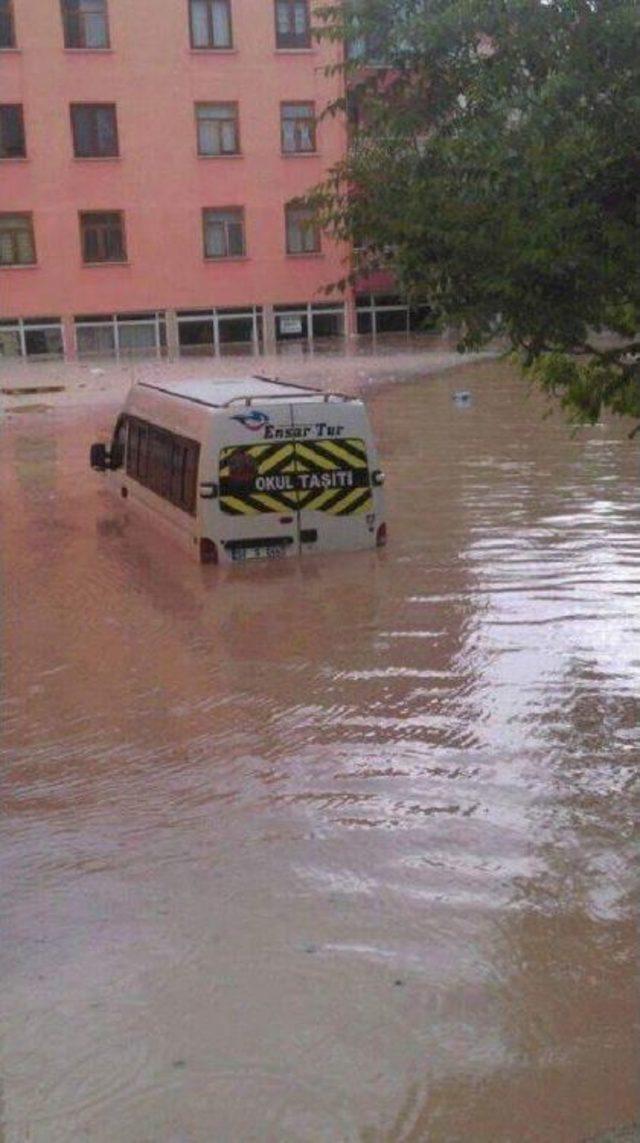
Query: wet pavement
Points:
[334, 849]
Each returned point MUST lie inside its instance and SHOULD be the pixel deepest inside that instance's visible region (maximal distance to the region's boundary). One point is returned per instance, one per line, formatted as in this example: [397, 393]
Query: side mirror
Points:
[98, 457]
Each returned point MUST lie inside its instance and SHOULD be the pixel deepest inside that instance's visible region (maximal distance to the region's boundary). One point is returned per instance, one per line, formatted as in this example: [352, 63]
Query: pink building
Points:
[150, 158]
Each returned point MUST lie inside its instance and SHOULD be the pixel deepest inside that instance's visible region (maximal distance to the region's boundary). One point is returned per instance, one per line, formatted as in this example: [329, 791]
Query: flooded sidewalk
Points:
[334, 849]
[344, 365]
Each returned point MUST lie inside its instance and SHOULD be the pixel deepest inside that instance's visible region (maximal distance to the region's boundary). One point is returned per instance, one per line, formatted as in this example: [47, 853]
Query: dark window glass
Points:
[12, 142]
[7, 30]
[102, 235]
[327, 325]
[137, 450]
[196, 337]
[165, 463]
[235, 330]
[86, 23]
[217, 128]
[210, 22]
[119, 443]
[95, 130]
[159, 462]
[224, 233]
[297, 128]
[391, 321]
[293, 29]
[365, 322]
[303, 234]
[43, 342]
[17, 246]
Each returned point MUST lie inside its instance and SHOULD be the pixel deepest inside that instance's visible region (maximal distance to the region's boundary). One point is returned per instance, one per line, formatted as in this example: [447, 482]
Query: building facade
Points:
[151, 159]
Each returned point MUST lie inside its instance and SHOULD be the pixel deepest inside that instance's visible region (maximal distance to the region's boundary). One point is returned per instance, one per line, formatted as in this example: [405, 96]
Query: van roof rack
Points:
[310, 394]
[304, 392]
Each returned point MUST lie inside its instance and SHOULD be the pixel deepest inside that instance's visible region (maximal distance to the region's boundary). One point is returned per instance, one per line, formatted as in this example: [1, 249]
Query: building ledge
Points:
[14, 158]
[226, 258]
[89, 51]
[19, 266]
[103, 265]
[213, 51]
[306, 254]
[300, 155]
[234, 155]
[97, 158]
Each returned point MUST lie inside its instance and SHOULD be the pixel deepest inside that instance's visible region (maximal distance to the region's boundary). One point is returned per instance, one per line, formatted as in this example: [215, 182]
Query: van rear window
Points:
[318, 475]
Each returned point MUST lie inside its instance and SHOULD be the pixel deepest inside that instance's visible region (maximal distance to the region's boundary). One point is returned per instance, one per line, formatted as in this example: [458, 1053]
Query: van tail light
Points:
[381, 536]
[208, 551]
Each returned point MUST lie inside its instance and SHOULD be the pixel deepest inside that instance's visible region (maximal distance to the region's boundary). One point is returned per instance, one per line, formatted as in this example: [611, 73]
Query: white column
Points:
[173, 335]
[69, 340]
[269, 330]
[350, 316]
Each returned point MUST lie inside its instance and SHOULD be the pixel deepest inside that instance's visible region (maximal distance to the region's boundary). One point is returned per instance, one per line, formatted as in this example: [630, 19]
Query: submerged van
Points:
[248, 469]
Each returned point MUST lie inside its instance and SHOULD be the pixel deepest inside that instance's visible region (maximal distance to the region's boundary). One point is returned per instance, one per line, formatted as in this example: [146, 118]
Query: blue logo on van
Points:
[253, 420]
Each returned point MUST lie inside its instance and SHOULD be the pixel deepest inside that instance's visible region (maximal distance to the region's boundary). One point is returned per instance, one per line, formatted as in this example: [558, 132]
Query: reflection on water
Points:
[338, 849]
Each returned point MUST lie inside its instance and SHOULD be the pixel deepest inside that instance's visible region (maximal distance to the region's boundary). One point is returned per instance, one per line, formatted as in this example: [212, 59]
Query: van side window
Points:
[119, 443]
[164, 462]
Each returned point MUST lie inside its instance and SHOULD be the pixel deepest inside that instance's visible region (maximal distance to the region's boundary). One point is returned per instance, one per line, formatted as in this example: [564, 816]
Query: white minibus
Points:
[248, 469]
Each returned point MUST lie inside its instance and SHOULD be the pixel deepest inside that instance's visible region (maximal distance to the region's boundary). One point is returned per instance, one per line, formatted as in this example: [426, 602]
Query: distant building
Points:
[150, 158]
[151, 155]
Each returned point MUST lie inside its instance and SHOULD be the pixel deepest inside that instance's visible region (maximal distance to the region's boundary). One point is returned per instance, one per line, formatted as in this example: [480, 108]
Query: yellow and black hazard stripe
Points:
[258, 478]
[333, 476]
[319, 475]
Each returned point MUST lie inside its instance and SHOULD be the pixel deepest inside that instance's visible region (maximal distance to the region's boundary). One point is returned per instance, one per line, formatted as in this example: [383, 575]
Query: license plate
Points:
[239, 555]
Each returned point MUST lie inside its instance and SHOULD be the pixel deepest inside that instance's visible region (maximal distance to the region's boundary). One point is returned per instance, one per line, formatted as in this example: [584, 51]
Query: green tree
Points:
[494, 167]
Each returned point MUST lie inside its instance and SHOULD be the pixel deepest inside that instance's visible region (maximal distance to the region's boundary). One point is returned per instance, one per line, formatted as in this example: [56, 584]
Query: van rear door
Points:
[333, 459]
[257, 493]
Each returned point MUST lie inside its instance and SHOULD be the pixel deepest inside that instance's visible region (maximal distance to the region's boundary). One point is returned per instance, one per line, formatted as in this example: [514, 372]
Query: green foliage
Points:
[494, 167]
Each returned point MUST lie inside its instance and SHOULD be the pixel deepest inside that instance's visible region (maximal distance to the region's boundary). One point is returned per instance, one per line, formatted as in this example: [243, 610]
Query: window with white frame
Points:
[297, 128]
[85, 23]
[390, 313]
[17, 244]
[121, 335]
[218, 131]
[293, 26]
[210, 23]
[31, 337]
[309, 321]
[220, 331]
[102, 236]
[224, 232]
[302, 230]
[95, 130]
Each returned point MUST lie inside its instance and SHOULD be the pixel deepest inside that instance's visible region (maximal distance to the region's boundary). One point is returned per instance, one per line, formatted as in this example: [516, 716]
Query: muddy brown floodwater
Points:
[332, 850]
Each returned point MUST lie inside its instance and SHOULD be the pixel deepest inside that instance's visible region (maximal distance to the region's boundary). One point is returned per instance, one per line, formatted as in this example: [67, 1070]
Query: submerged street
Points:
[328, 849]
